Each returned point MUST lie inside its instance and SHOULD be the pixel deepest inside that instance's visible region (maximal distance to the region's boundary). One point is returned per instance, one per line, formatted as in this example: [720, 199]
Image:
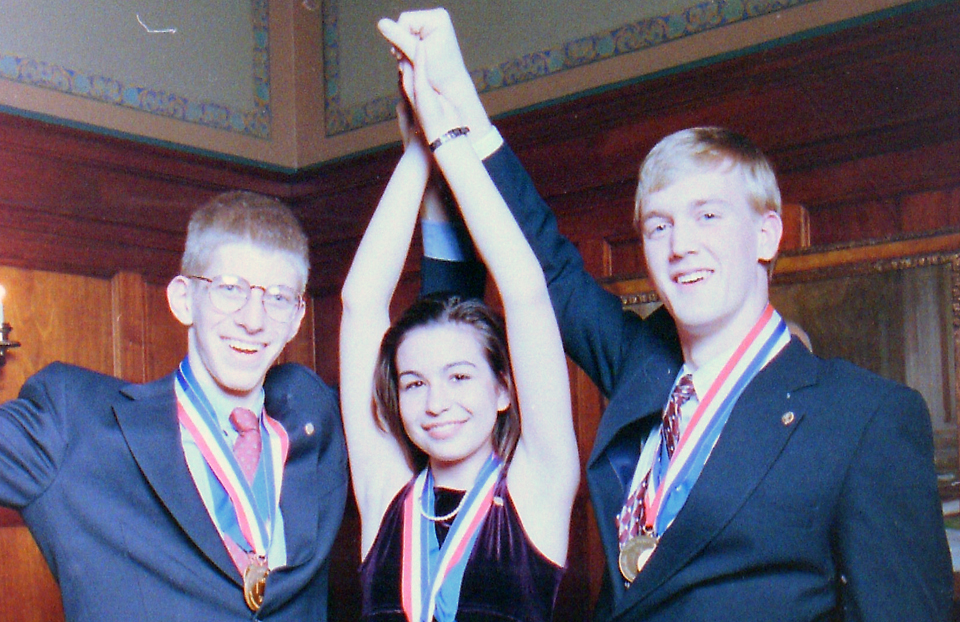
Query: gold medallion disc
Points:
[255, 582]
[634, 555]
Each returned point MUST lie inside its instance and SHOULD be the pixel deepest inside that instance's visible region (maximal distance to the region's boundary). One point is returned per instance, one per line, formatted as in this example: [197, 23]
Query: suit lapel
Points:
[623, 428]
[149, 425]
[298, 497]
[750, 443]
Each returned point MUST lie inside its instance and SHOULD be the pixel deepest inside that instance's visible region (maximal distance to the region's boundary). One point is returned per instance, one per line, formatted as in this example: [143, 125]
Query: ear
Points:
[771, 230]
[180, 299]
[296, 321]
[503, 397]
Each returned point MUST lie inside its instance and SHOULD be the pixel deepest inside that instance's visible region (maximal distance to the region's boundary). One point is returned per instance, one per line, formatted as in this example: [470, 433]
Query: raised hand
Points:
[433, 31]
[430, 35]
[410, 130]
[434, 112]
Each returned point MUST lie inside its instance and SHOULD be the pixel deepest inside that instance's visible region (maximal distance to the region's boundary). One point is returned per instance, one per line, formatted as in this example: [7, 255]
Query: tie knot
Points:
[244, 420]
[684, 390]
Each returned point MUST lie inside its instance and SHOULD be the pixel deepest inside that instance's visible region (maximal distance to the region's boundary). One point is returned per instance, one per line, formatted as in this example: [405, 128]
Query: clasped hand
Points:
[431, 68]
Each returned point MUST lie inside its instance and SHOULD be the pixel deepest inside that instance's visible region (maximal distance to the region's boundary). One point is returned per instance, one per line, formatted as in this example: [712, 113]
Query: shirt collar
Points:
[706, 374]
[223, 405]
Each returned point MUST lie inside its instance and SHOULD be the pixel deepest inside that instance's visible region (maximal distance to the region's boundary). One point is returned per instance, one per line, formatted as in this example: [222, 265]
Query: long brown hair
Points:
[437, 310]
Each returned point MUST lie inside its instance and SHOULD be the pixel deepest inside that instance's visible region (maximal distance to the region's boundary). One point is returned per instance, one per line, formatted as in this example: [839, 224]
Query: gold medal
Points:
[634, 555]
[255, 582]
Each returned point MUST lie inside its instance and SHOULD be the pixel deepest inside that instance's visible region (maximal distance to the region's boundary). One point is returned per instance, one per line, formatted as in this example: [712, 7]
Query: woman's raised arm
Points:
[378, 465]
[547, 450]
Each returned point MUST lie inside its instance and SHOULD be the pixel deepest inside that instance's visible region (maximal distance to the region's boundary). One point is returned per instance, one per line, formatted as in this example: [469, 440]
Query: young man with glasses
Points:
[214, 493]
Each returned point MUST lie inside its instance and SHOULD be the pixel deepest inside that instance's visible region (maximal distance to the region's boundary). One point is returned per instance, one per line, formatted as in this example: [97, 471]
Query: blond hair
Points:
[240, 216]
[702, 149]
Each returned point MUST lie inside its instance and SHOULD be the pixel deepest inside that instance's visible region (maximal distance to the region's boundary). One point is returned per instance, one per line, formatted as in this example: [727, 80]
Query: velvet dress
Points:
[506, 577]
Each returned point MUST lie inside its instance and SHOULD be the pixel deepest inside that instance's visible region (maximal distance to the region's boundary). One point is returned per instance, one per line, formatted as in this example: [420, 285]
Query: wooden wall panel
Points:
[57, 317]
[862, 124]
[166, 339]
[31, 593]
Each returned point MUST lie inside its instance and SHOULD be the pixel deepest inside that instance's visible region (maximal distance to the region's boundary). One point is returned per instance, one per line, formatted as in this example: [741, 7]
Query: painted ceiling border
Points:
[158, 102]
[627, 39]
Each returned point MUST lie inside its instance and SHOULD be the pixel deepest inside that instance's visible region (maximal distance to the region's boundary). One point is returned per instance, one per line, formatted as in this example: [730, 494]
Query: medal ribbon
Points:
[421, 581]
[251, 509]
[764, 341]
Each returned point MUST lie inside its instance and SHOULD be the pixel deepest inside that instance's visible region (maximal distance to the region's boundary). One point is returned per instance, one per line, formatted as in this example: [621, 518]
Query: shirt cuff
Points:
[487, 144]
[443, 240]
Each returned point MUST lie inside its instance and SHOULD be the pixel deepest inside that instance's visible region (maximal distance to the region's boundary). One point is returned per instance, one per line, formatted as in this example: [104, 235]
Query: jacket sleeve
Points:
[597, 334]
[32, 438]
[463, 278]
[893, 555]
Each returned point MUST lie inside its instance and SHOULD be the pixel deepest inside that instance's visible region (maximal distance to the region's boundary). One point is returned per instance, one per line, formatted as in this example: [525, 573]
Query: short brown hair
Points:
[437, 310]
[241, 216]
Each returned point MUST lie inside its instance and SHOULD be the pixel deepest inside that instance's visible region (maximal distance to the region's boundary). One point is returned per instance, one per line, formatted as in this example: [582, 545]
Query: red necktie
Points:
[633, 515]
[248, 444]
[670, 430]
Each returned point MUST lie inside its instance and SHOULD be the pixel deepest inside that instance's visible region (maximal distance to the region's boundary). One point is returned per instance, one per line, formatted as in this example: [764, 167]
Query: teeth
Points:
[440, 426]
[244, 347]
[693, 277]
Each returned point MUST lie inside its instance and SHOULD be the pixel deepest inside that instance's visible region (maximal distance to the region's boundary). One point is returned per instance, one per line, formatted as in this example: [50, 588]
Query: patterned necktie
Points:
[633, 515]
[248, 444]
[670, 430]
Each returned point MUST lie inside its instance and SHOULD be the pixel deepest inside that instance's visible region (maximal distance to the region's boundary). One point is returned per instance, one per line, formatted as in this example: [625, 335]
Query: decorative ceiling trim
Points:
[255, 122]
[627, 39]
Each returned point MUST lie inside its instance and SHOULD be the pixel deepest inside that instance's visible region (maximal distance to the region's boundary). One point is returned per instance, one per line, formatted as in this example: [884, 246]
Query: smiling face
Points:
[233, 351]
[449, 399]
[706, 249]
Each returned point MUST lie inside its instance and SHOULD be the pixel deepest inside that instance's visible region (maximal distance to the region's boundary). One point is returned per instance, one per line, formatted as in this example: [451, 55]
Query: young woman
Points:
[465, 512]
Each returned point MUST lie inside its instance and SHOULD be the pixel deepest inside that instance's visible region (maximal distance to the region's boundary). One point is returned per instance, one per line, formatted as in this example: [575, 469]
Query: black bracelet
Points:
[454, 133]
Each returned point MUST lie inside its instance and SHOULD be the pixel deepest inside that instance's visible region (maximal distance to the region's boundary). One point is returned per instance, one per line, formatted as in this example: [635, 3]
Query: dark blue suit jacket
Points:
[826, 514]
[96, 467]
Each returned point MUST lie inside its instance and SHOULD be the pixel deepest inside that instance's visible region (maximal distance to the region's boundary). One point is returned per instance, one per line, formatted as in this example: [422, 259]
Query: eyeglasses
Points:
[230, 293]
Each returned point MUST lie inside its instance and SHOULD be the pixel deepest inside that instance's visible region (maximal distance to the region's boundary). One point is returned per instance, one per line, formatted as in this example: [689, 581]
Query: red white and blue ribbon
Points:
[670, 487]
[431, 574]
[243, 511]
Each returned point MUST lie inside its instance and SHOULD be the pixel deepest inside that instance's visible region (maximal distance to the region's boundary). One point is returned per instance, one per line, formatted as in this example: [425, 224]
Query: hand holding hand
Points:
[433, 31]
[427, 39]
[414, 145]
[435, 114]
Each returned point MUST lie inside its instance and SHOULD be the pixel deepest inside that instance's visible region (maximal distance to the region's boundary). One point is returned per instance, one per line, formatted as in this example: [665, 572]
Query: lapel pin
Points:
[308, 429]
[787, 418]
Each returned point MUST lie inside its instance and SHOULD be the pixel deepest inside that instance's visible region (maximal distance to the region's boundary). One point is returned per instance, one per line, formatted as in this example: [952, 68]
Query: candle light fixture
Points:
[5, 328]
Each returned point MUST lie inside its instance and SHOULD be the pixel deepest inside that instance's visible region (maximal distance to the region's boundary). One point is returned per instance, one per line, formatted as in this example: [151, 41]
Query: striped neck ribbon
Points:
[431, 574]
[243, 511]
[669, 488]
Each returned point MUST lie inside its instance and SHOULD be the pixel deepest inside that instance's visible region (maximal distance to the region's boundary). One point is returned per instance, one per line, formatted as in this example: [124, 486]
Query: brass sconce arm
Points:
[5, 343]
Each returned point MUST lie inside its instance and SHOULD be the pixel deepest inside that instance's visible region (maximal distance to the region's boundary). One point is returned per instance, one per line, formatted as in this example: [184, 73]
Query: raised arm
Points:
[547, 449]
[596, 332]
[378, 465]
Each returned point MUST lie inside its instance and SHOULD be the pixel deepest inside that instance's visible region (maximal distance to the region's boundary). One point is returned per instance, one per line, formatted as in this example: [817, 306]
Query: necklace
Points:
[445, 517]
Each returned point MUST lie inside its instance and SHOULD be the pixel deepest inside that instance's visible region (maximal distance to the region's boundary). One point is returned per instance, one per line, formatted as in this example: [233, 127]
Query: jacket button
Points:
[787, 418]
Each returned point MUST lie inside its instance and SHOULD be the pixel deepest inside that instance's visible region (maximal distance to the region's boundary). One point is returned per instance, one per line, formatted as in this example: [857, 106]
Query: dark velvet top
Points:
[506, 577]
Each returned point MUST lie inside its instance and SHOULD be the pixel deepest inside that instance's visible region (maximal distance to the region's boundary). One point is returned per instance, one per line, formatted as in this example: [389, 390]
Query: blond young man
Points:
[734, 475]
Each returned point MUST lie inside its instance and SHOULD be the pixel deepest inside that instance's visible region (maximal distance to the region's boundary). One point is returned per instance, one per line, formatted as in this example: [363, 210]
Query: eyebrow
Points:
[446, 367]
[652, 215]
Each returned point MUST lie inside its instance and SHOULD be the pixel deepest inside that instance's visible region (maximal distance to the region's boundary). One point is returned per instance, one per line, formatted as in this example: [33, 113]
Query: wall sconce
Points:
[5, 343]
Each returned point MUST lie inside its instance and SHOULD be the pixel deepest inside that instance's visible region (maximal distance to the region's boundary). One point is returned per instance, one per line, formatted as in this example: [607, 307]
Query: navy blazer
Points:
[819, 501]
[96, 467]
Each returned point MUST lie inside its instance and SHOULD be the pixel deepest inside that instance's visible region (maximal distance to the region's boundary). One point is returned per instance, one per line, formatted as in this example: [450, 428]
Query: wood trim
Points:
[129, 330]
